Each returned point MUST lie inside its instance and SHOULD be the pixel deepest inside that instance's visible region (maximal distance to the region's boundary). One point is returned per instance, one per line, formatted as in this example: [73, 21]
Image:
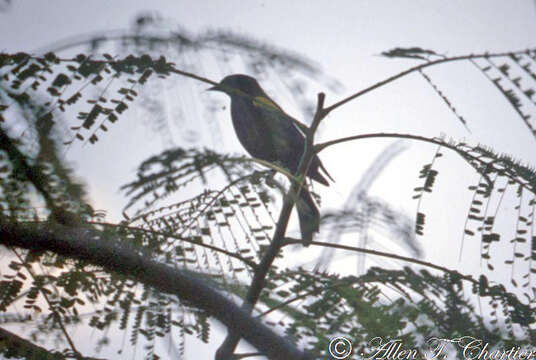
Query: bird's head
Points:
[240, 82]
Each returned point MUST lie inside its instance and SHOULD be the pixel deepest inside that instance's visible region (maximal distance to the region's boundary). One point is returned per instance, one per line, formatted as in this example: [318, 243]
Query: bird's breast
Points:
[252, 130]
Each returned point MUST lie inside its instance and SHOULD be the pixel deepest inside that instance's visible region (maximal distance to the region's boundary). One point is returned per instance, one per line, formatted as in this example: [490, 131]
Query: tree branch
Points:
[278, 241]
[465, 155]
[418, 68]
[52, 308]
[18, 347]
[92, 246]
[180, 238]
[389, 255]
[345, 282]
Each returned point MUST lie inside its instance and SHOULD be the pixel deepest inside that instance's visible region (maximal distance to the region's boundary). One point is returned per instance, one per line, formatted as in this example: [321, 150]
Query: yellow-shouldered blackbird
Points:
[269, 134]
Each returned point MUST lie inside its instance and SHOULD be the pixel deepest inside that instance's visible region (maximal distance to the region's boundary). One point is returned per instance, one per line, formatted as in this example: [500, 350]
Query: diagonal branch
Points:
[227, 348]
[93, 246]
[418, 68]
[23, 348]
[19, 347]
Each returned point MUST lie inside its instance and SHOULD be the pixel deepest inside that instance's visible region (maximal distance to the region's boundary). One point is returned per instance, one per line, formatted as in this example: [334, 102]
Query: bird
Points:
[268, 133]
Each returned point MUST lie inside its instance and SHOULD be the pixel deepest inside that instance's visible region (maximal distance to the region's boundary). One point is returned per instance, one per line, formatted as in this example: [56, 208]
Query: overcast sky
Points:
[345, 39]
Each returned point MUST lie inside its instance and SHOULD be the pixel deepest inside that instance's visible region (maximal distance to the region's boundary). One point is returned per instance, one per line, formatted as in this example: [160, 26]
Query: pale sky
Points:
[345, 39]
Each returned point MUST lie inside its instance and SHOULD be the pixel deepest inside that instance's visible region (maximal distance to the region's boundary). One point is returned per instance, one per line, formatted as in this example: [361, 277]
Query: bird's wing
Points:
[287, 140]
[288, 137]
[270, 105]
[266, 103]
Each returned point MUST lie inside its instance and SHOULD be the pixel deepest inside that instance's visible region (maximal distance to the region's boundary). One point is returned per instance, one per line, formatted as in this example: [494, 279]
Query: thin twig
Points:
[49, 303]
[385, 254]
[463, 154]
[417, 68]
[180, 238]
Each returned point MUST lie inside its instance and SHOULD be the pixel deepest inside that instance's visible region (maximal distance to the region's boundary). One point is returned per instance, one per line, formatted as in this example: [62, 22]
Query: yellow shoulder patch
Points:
[264, 102]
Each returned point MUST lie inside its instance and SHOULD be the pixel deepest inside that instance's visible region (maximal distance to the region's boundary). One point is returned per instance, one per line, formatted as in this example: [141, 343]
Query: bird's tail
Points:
[308, 215]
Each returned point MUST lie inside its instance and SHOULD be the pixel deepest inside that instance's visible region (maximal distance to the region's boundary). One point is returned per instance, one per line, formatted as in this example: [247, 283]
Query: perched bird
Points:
[268, 133]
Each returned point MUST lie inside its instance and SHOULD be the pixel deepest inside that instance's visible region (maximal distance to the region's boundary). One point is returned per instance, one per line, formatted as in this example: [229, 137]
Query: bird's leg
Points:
[271, 174]
[270, 178]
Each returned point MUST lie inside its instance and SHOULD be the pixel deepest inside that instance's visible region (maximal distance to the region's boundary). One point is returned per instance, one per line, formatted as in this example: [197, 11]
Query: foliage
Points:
[226, 232]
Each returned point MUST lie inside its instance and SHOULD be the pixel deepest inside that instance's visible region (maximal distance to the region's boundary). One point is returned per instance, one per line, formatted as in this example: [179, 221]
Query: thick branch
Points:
[92, 246]
[18, 347]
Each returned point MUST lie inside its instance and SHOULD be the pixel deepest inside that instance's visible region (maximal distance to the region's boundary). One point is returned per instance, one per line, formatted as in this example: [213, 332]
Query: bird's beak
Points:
[214, 88]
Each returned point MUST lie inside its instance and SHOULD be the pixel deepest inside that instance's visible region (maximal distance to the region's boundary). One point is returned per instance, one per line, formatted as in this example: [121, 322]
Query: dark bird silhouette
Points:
[268, 133]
